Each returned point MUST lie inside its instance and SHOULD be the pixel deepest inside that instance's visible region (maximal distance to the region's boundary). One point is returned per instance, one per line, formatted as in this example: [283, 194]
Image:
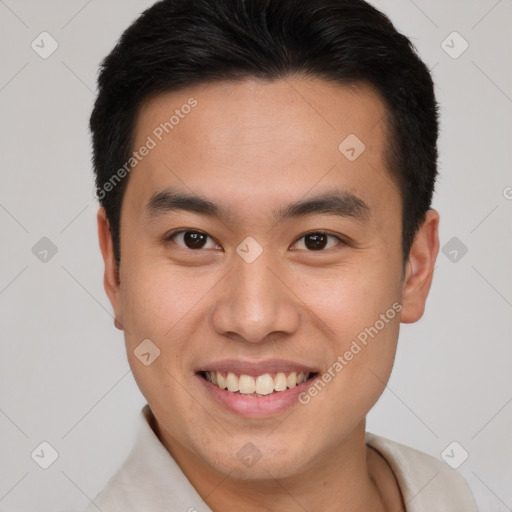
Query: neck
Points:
[350, 477]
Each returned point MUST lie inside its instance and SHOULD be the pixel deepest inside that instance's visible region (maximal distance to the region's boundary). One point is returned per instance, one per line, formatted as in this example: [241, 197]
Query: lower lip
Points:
[255, 406]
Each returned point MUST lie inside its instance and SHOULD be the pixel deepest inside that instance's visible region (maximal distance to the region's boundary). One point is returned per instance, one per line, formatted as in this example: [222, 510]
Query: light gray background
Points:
[64, 374]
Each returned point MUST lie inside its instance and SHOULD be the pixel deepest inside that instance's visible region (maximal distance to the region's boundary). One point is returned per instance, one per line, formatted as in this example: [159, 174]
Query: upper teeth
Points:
[261, 385]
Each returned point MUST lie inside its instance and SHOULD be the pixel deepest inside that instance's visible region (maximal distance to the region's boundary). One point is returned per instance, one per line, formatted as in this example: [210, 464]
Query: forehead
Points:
[254, 141]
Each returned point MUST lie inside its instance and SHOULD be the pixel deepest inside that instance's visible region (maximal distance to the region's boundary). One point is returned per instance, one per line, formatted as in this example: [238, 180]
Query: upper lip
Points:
[255, 368]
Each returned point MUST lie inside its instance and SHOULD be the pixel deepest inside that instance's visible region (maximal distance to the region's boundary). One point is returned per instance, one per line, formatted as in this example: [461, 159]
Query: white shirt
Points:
[150, 480]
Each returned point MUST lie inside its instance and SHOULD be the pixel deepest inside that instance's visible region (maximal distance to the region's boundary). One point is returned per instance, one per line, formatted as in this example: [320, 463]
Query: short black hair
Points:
[180, 43]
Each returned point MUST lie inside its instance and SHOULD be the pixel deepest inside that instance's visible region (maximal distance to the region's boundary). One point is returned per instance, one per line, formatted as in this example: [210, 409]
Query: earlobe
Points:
[110, 279]
[420, 268]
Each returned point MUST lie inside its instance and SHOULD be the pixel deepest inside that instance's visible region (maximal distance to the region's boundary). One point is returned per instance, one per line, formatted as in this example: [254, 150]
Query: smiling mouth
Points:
[260, 385]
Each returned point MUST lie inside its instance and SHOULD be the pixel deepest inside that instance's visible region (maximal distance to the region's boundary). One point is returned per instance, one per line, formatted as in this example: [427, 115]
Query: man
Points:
[265, 170]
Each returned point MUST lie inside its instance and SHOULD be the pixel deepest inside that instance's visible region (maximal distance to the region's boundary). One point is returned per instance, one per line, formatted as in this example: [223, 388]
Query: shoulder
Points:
[149, 479]
[426, 483]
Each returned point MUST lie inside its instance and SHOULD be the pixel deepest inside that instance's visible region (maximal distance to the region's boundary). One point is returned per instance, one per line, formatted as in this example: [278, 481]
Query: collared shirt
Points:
[150, 480]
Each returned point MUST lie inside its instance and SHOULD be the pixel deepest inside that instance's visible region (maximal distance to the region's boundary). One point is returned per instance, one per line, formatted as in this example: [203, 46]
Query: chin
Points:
[259, 459]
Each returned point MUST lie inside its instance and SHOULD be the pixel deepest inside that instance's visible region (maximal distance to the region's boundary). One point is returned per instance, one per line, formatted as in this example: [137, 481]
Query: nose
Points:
[255, 302]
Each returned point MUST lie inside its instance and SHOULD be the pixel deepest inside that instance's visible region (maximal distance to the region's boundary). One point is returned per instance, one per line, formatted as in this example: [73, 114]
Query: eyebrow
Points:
[335, 202]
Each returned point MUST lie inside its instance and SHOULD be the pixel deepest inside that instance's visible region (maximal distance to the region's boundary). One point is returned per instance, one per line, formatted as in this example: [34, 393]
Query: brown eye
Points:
[193, 240]
[317, 241]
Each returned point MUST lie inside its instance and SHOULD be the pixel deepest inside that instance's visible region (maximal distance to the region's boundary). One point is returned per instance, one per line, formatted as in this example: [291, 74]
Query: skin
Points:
[252, 146]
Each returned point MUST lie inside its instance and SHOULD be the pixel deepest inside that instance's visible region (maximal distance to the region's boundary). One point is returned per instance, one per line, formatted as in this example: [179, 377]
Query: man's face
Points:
[261, 289]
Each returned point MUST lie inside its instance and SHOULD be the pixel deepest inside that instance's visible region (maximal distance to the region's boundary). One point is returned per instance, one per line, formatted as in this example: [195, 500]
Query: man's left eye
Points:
[317, 241]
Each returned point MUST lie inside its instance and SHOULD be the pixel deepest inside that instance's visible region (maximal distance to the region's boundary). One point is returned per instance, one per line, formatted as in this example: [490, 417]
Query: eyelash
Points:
[171, 236]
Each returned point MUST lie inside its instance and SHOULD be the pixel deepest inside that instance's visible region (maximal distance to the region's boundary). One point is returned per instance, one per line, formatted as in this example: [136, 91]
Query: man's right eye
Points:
[191, 239]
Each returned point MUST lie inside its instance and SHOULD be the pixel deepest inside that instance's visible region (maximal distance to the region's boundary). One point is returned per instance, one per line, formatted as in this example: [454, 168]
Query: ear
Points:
[420, 268]
[110, 279]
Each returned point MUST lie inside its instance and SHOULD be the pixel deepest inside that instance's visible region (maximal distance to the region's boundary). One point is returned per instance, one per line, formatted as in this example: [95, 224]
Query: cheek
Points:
[162, 305]
[159, 301]
[165, 305]
[355, 375]
[358, 310]
[349, 298]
